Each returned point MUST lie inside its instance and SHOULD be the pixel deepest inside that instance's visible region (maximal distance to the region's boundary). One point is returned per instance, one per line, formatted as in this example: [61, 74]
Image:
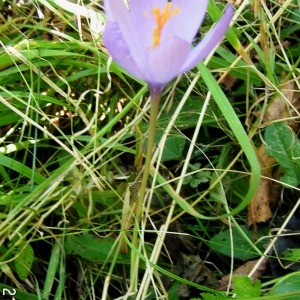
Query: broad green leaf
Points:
[93, 248]
[287, 287]
[284, 146]
[24, 260]
[173, 147]
[173, 291]
[242, 248]
[244, 288]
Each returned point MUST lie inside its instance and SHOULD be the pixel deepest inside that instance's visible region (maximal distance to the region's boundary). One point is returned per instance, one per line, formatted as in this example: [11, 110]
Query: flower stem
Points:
[151, 137]
[155, 98]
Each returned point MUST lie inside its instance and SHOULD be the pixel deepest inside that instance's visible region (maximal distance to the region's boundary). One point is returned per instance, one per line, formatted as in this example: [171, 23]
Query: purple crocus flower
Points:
[152, 39]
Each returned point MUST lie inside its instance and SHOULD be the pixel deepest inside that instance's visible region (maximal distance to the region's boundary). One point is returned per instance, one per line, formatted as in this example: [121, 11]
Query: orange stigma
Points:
[161, 18]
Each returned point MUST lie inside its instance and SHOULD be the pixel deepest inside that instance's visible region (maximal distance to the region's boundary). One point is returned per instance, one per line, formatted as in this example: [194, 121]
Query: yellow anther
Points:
[161, 18]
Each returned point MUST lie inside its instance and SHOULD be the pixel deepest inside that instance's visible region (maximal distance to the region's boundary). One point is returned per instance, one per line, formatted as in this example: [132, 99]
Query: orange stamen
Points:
[161, 18]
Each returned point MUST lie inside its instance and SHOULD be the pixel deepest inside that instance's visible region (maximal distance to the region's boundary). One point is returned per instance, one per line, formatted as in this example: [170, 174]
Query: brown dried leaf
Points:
[228, 81]
[244, 270]
[177, 240]
[195, 270]
[275, 110]
[284, 106]
[259, 209]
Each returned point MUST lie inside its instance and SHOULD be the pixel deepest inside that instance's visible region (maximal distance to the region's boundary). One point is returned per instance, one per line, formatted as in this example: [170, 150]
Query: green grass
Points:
[73, 130]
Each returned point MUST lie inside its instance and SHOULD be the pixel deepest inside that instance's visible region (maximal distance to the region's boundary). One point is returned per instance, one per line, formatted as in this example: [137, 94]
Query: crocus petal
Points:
[165, 61]
[119, 50]
[118, 12]
[142, 7]
[186, 23]
[141, 13]
[210, 41]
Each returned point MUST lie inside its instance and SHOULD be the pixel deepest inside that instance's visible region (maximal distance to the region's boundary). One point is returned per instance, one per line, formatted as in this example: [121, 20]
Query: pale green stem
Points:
[155, 98]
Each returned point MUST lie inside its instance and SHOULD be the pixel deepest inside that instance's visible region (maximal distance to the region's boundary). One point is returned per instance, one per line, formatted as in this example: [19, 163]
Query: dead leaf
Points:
[177, 240]
[195, 270]
[259, 209]
[285, 105]
[228, 81]
[244, 270]
[181, 248]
